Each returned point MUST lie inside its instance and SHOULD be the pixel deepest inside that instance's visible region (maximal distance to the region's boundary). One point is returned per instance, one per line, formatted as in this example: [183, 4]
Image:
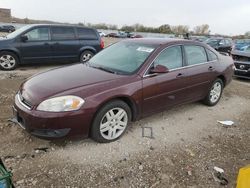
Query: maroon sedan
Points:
[125, 82]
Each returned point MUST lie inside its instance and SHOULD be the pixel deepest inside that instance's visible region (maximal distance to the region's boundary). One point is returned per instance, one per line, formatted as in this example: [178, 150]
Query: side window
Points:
[62, 33]
[222, 42]
[38, 34]
[85, 33]
[170, 58]
[211, 55]
[195, 55]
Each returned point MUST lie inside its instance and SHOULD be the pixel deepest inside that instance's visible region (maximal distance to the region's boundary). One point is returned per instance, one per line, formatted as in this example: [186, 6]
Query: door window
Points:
[211, 55]
[170, 58]
[84, 33]
[195, 55]
[63, 33]
[38, 34]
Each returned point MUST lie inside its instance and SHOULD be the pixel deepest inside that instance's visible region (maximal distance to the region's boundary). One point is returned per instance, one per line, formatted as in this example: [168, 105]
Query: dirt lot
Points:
[188, 142]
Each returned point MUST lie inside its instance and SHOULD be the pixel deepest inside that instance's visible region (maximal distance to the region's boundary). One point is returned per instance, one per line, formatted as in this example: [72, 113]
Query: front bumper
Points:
[52, 124]
[242, 69]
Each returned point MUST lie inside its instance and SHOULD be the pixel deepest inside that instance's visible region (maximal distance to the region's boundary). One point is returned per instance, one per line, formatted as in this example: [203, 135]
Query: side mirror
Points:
[159, 69]
[24, 38]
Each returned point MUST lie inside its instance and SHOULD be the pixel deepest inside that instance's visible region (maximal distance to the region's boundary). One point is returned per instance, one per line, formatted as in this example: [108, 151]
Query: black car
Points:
[242, 63]
[7, 28]
[48, 43]
[221, 44]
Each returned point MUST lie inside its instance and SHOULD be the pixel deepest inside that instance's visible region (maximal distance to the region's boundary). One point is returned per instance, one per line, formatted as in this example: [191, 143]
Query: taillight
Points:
[102, 43]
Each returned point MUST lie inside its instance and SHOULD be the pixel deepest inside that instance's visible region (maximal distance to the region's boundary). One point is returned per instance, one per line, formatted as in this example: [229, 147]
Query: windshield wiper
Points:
[103, 68]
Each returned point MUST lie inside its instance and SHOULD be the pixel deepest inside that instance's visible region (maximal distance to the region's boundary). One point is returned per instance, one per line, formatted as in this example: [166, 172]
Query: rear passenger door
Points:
[200, 71]
[89, 39]
[65, 45]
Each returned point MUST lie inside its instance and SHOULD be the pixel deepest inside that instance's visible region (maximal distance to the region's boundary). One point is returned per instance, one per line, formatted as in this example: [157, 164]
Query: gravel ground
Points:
[187, 143]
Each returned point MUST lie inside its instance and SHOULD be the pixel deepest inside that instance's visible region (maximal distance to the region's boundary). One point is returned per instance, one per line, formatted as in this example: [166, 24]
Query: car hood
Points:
[56, 81]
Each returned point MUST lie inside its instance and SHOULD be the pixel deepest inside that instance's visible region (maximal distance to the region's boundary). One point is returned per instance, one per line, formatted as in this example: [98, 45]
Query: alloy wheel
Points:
[113, 123]
[7, 61]
[215, 92]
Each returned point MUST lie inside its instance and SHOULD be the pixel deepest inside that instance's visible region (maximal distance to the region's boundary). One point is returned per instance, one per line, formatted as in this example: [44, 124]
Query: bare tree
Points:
[180, 29]
[202, 29]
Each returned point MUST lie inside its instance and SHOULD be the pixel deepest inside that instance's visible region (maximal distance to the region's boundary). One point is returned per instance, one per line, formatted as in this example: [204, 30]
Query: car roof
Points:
[60, 25]
[161, 41]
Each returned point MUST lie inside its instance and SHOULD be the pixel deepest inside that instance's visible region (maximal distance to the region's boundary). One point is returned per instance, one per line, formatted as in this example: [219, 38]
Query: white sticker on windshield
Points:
[145, 49]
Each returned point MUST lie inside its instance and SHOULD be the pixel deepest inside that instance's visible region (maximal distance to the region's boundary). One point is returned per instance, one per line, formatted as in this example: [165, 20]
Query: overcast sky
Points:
[223, 16]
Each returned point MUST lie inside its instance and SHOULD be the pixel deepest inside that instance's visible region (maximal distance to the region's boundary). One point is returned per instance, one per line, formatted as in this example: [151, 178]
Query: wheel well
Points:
[128, 101]
[223, 79]
[13, 53]
[87, 49]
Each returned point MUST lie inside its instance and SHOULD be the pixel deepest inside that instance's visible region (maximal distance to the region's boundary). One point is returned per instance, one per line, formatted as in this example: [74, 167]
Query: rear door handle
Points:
[210, 68]
[180, 75]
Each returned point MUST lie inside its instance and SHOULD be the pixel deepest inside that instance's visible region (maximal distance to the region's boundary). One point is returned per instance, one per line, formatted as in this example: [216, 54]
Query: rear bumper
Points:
[52, 125]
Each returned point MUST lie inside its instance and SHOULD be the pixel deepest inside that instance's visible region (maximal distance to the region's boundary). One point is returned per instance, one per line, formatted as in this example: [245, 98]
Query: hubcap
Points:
[215, 92]
[86, 57]
[7, 61]
[113, 123]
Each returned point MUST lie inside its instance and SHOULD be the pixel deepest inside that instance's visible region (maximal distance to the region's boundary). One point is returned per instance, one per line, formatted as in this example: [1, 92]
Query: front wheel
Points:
[85, 56]
[111, 122]
[8, 60]
[214, 93]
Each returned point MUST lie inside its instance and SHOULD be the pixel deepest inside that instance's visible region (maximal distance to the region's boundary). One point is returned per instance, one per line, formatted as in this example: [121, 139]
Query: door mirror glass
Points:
[159, 69]
[24, 38]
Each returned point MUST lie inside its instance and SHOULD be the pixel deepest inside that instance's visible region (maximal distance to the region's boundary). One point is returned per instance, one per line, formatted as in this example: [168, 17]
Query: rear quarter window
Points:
[85, 33]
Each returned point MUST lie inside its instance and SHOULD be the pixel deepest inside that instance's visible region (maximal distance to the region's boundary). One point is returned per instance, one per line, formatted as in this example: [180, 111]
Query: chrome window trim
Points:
[154, 74]
[20, 101]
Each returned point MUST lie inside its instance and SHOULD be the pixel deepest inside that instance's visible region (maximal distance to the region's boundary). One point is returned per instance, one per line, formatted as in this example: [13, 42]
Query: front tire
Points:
[8, 60]
[111, 122]
[214, 93]
[85, 56]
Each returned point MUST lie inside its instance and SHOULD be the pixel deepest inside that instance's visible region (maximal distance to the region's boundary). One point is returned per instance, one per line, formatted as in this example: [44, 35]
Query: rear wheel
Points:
[8, 60]
[111, 121]
[214, 93]
[85, 56]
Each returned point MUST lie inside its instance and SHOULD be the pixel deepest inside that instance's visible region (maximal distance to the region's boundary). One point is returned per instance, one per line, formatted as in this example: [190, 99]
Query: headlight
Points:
[61, 104]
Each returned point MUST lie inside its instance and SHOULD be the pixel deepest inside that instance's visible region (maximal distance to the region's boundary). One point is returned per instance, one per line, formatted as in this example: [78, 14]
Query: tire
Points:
[109, 122]
[214, 93]
[8, 60]
[85, 56]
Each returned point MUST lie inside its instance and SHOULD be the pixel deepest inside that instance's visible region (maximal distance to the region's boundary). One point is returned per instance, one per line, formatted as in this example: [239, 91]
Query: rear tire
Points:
[111, 122]
[8, 60]
[214, 93]
[86, 56]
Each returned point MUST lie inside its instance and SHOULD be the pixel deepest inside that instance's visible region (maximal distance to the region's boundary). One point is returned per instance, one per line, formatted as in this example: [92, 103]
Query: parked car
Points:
[7, 28]
[221, 44]
[102, 34]
[101, 97]
[48, 43]
[241, 44]
[242, 63]
[111, 35]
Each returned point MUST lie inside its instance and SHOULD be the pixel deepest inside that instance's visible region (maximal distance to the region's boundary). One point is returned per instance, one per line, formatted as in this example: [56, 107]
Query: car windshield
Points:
[122, 57]
[18, 31]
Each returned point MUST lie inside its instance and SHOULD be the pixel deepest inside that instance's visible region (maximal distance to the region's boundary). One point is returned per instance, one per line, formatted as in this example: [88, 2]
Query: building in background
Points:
[5, 15]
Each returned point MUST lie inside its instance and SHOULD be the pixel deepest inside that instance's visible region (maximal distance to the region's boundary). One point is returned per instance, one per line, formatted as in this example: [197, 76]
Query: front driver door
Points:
[161, 91]
[37, 47]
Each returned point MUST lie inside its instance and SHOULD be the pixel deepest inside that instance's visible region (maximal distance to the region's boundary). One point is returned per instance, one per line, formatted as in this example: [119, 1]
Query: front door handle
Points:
[180, 75]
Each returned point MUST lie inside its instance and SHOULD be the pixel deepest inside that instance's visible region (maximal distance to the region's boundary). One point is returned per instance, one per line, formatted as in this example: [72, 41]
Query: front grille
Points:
[242, 66]
[24, 101]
